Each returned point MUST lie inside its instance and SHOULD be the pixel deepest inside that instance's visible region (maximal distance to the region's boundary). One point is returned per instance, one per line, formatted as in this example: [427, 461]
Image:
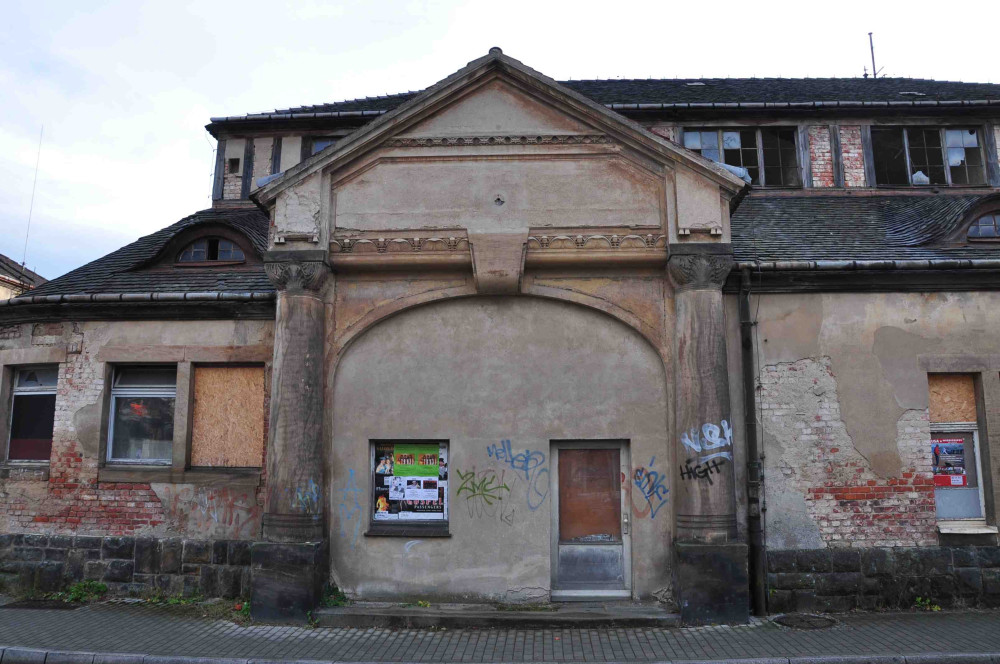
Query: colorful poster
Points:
[410, 481]
[415, 460]
[949, 462]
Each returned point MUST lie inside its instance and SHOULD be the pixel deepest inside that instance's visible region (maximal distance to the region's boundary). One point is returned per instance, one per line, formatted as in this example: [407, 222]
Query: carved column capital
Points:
[297, 276]
[700, 271]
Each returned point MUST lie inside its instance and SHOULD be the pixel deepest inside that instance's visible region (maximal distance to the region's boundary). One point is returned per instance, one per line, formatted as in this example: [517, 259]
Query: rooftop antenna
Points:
[871, 46]
[31, 206]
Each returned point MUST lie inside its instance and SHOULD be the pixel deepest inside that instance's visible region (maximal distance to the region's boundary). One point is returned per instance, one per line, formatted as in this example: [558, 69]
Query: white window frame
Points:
[158, 391]
[971, 525]
[35, 391]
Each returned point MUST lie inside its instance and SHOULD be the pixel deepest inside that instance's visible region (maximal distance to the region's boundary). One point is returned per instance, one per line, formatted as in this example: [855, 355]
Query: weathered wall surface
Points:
[68, 497]
[477, 372]
[843, 406]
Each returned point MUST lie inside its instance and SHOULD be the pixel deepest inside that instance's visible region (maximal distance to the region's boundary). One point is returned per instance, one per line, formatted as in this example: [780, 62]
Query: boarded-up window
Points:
[228, 422]
[952, 398]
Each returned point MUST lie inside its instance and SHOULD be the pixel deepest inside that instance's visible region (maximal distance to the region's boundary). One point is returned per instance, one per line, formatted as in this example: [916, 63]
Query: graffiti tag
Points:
[709, 439]
[702, 471]
[306, 499]
[651, 484]
[530, 464]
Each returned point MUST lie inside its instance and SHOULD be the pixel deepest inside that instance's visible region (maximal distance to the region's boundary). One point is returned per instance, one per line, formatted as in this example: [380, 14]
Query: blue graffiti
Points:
[350, 509]
[650, 483]
[530, 464]
[306, 499]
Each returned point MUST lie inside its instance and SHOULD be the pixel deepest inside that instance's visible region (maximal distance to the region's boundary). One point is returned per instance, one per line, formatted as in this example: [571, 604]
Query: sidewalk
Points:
[154, 635]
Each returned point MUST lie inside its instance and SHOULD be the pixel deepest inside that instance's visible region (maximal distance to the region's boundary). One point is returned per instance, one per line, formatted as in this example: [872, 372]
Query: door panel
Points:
[589, 496]
[590, 541]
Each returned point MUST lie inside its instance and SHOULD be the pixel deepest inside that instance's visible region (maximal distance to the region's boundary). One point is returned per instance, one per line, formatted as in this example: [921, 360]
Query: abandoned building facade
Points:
[725, 343]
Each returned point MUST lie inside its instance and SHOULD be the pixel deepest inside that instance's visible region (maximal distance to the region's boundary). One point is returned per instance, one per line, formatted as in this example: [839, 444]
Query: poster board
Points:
[948, 454]
[409, 481]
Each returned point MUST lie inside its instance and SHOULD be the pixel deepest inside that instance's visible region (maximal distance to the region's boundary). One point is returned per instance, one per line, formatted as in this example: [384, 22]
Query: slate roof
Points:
[623, 93]
[11, 269]
[119, 271]
[843, 228]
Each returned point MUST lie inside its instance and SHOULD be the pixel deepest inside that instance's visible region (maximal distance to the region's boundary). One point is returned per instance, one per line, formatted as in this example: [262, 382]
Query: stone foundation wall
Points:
[128, 565]
[828, 580]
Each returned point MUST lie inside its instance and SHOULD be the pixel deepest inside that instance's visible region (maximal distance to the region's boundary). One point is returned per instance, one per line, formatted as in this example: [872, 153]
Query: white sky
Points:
[124, 89]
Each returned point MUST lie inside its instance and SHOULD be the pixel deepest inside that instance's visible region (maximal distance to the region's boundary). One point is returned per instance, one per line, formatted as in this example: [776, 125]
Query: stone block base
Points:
[286, 579]
[712, 583]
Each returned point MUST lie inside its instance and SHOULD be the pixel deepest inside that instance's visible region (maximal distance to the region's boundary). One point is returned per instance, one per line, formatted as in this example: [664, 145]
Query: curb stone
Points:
[14, 655]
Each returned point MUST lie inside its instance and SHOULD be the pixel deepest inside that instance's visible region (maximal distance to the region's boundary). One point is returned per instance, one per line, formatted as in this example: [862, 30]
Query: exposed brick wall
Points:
[850, 505]
[67, 498]
[232, 186]
[820, 156]
[853, 156]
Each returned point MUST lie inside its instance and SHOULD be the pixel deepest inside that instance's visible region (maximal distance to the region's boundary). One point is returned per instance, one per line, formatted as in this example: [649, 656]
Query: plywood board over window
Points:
[228, 422]
[952, 398]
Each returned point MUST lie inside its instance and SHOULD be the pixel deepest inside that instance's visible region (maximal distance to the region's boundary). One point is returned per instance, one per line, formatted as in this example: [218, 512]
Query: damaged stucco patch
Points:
[298, 208]
[820, 488]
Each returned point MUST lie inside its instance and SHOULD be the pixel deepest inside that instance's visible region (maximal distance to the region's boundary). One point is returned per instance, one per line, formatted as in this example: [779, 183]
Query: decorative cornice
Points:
[452, 141]
[700, 271]
[398, 245]
[297, 277]
[596, 242]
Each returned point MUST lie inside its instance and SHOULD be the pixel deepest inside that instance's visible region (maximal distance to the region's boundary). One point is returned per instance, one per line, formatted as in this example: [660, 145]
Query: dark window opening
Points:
[322, 143]
[927, 156]
[32, 416]
[770, 156]
[987, 227]
[211, 249]
[233, 167]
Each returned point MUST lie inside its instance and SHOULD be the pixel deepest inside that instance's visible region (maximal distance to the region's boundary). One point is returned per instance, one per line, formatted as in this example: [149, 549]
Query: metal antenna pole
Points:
[31, 206]
[871, 45]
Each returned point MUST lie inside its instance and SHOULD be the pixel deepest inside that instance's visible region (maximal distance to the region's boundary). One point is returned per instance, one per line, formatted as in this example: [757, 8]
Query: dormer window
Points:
[211, 249]
[987, 227]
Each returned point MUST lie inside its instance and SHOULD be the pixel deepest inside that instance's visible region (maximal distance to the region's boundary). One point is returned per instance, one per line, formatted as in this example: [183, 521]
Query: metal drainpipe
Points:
[755, 474]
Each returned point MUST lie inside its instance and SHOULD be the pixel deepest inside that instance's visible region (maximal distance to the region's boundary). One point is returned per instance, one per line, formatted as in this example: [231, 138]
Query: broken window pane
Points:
[781, 167]
[926, 158]
[890, 159]
[965, 161]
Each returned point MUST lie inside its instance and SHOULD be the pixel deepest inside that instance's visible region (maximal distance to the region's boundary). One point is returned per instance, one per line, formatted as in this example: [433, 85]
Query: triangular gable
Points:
[493, 66]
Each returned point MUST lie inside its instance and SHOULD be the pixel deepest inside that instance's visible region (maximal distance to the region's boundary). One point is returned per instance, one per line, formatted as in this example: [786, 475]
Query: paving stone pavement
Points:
[155, 630]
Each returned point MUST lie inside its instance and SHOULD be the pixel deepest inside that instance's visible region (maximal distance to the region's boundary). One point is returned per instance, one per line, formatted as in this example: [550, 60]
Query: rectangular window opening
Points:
[32, 415]
[233, 167]
[928, 156]
[142, 414]
[409, 483]
[769, 155]
[955, 461]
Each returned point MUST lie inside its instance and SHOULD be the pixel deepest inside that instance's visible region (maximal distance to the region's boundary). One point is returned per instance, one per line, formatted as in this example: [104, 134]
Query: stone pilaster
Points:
[294, 509]
[710, 566]
[287, 571]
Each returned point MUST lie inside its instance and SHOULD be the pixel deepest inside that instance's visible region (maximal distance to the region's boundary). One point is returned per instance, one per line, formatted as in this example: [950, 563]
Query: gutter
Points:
[755, 474]
[754, 105]
[828, 265]
[105, 298]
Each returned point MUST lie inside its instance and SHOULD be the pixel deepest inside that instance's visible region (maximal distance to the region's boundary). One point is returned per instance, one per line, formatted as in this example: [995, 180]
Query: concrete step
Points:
[579, 615]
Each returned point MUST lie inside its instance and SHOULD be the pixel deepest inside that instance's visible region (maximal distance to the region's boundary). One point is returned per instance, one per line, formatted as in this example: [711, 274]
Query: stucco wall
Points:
[843, 406]
[475, 372]
[68, 497]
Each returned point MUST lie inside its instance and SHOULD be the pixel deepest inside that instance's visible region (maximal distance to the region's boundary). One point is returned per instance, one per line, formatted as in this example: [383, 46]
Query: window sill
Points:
[408, 530]
[970, 527]
[228, 477]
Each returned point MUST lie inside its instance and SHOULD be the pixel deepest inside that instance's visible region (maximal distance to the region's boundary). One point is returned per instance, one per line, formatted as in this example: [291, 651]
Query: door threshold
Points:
[588, 595]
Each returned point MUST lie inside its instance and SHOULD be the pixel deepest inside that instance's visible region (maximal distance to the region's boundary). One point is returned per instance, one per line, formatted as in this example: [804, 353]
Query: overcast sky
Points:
[124, 89]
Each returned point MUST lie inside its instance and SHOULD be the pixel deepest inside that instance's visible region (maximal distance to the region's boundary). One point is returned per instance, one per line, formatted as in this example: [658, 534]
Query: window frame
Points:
[407, 527]
[937, 428]
[155, 391]
[942, 136]
[14, 392]
[759, 149]
[975, 222]
[208, 261]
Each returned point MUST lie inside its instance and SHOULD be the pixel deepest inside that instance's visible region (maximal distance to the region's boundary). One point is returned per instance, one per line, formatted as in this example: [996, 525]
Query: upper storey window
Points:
[770, 155]
[927, 156]
[211, 249]
[987, 227]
